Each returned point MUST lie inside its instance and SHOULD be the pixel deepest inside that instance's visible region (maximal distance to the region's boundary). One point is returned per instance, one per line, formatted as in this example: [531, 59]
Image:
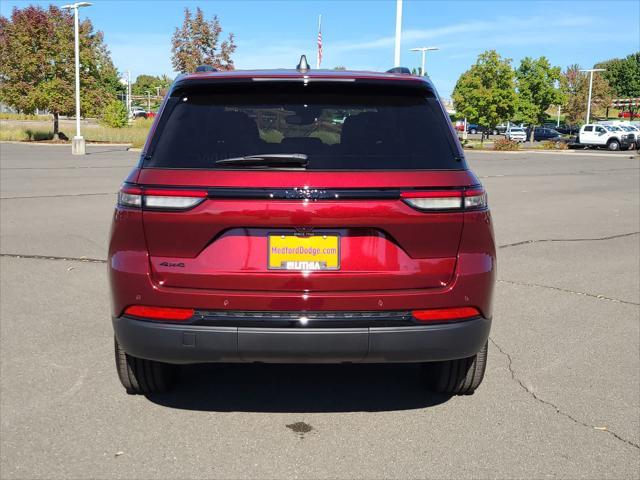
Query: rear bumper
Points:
[184, 344]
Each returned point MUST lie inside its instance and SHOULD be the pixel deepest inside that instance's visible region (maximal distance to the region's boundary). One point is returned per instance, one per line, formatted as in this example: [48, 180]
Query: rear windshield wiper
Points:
[268, 159]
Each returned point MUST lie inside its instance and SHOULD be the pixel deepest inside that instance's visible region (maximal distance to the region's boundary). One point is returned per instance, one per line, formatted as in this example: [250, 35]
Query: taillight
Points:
[159, 313]
[475, 198]
[446, 200]
[444, 314]
[159, 199]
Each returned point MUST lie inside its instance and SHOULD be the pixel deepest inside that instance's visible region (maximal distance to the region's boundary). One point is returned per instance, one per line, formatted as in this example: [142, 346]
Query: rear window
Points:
[337, 126]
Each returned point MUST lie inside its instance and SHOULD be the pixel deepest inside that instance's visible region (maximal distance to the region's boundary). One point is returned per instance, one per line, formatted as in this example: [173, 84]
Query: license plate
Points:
[316, 252]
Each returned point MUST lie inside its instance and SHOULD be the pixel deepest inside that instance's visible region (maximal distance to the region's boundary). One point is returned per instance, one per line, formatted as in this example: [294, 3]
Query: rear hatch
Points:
[292, 186]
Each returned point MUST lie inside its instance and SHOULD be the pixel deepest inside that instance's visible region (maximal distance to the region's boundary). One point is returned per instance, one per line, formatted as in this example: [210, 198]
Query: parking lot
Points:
[561, 396]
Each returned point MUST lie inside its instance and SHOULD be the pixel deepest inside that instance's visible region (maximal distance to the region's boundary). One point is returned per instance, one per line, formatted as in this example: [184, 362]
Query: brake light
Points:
[159, 313]
[159, 199]
[475, 199]
[444, 314]
[438, 200]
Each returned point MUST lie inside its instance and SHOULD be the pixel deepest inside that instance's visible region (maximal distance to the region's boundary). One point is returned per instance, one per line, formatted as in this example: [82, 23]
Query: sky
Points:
[360, 34]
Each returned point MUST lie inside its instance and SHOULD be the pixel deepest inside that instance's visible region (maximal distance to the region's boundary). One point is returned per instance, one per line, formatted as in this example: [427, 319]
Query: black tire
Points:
[473, 131]
[141, 377]
[495, 132]
[613, 145]
[457, 377]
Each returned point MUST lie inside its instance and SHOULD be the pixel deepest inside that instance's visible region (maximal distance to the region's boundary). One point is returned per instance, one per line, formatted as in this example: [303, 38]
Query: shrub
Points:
[505, 144]
[551, 145]
[114, 114]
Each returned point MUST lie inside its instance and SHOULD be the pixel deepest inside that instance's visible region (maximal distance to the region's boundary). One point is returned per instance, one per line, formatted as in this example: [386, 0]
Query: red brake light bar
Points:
[159, 313]
[444, 314]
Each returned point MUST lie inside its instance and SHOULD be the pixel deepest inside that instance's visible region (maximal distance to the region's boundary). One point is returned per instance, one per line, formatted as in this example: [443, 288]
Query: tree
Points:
[623, 74]
[197, 43]
[114, 114]
[537, 87]
[38, 67]
[575, 87]
[340, 68]
[148, 83]
[485, 94]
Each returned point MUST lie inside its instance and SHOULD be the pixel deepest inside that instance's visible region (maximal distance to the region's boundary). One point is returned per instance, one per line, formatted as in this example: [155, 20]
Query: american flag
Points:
[319, 41]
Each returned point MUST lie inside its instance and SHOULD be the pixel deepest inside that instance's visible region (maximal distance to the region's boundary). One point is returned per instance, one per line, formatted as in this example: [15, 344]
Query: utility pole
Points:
[396, 58]
[424, 51]
[77, 145]
[558, 122]
[591, 70]
[148, 101]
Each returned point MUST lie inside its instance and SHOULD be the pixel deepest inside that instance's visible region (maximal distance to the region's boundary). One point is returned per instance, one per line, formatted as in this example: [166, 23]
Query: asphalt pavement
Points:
[561, 396]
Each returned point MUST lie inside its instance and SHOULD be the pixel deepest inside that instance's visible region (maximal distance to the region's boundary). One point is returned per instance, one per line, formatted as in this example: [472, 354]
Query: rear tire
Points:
[141, 377]
[457, 377]
[473, 131]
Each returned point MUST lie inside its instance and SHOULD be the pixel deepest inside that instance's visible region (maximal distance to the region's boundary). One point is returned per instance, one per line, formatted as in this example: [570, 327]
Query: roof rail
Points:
[404, 70]
[206, 68]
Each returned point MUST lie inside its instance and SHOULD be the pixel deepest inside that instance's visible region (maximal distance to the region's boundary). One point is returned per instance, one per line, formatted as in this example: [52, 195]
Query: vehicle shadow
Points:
[299, 388]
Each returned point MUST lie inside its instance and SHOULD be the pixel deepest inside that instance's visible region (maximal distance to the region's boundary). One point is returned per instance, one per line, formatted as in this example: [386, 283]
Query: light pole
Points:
[77, 144]
[591, 70]
[396, 57]
[424, 51]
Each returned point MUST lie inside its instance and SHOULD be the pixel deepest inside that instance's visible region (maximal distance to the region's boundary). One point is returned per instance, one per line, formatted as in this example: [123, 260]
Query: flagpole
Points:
[318, 59]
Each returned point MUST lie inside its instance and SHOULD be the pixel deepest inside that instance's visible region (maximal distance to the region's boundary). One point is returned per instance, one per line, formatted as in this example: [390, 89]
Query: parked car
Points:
[138, 112]
[474, 128]
[608, 136]
[633, 130]
[374, 245]
[567, 129]
[500, 129]
[517, 134]
[544, 134]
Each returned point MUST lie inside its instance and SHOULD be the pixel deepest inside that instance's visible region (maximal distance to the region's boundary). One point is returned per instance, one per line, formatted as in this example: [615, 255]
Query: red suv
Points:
[296, 216]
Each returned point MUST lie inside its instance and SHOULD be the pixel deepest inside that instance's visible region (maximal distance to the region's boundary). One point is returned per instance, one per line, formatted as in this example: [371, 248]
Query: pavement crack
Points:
[53, 257]
[545, 240]
[519, 382]
[573, 292]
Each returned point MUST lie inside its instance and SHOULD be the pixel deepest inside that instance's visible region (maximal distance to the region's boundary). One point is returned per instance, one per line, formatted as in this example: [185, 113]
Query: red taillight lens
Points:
[443, 314]
[159, 313]
[475, 198]
[160, 199]
[130, 197]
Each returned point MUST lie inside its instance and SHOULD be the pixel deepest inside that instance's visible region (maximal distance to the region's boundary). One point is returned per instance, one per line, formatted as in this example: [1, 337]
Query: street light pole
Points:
[591, 70]
[77, 144]
[424, 51]
[396, 58]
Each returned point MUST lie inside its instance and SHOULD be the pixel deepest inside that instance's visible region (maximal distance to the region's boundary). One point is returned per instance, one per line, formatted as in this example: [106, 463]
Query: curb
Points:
[17, 142]
[582, 153]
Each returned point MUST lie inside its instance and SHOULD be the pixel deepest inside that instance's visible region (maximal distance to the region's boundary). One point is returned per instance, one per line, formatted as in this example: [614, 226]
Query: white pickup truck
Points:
[593, 135]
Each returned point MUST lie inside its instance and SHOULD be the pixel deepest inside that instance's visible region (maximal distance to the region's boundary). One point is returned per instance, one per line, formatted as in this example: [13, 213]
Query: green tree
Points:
[623, 74]
[37, 70]
[114, 114]
[575, 87]
[537, 84]
[197, 42]
[148, 83]
[485, 94]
